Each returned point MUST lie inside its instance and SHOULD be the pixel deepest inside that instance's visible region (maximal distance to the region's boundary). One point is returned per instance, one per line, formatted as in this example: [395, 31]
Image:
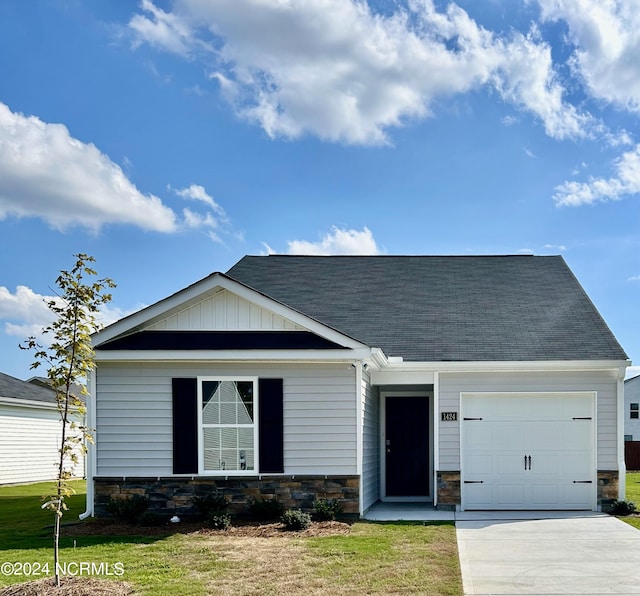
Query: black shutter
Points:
[185, 426]
[270, 428]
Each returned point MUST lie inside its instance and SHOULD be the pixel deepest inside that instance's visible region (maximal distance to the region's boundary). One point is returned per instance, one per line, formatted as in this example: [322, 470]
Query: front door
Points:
[406, 444]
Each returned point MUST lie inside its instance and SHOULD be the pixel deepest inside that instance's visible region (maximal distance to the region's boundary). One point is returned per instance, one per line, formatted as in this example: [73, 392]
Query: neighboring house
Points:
[632, 409]
[486, 382]
[30, 432]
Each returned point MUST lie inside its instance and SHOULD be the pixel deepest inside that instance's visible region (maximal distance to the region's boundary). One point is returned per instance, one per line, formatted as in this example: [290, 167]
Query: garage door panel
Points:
[509, 495]
[576, 436]
[479, 464]
[529, 451]
[509, 464]
[544, 495]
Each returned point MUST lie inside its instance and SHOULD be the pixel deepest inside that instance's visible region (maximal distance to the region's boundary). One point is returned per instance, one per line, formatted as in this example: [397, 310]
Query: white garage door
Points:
[528, 451]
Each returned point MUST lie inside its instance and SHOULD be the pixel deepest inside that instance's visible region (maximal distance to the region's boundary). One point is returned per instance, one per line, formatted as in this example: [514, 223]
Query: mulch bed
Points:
[100, 527]
[69, 586]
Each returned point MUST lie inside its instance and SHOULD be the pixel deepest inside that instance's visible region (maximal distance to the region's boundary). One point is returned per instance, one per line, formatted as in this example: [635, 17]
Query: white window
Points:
[633, 410]
[227, 415]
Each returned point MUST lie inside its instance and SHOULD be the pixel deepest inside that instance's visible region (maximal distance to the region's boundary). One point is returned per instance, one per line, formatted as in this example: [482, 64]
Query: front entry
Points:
[406, 446]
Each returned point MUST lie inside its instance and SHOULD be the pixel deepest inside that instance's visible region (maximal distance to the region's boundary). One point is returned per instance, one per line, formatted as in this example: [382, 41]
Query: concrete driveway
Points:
[581, 553]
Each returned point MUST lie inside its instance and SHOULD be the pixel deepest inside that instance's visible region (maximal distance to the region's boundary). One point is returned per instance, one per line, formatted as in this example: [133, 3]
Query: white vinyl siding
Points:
[134, 415]
[223, 311]
[371, 442]
[604, 383]
[29, 443]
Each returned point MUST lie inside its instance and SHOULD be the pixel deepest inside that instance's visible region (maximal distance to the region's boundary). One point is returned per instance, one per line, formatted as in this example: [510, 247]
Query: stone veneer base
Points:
[174, 494]
[449, 495]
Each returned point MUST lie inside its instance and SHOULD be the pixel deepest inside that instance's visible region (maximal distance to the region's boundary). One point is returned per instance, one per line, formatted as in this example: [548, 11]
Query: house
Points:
[30, 432]
[632, 409]
[470, 382]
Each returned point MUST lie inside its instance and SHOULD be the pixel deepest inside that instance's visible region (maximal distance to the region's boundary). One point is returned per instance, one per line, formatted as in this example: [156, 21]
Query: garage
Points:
[528, 451]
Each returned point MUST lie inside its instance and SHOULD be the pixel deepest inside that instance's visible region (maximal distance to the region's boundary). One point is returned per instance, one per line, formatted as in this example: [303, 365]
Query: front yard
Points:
[365, 558]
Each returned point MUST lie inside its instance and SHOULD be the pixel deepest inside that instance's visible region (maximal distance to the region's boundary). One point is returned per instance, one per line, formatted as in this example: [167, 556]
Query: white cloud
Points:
[560, 247]
[634, 278]
[196, 220]
[161, 29]
[337, 242]
[625, 182]
[25, 313]
[46, 173]
[198, 193]
[338, 70]
[605, 33]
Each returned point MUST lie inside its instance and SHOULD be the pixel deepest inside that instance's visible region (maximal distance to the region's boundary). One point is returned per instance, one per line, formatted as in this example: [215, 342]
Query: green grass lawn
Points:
[633, 494]
[373, 558]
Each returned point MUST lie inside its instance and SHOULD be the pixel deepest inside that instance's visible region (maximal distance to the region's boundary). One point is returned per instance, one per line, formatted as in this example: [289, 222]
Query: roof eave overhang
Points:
[28, 403]
[424, 372]
[346, 355]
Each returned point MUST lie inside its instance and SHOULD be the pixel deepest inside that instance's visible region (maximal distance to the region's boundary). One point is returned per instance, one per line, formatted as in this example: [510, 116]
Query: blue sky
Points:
[170, 138]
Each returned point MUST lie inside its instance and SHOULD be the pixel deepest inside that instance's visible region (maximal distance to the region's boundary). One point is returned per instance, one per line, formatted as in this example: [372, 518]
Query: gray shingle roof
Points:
[12, 387]
[442, 308]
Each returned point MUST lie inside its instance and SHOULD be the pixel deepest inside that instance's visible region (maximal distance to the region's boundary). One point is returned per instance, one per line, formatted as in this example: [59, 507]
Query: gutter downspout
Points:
[622, 468]
[359, 434]
[90, 456]
[436, 436]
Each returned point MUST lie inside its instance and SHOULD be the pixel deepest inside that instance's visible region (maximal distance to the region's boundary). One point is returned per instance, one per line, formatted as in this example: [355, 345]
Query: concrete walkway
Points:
[547, 554]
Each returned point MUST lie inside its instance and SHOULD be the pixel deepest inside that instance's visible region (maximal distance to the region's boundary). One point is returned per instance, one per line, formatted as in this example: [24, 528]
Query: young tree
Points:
[69, 358]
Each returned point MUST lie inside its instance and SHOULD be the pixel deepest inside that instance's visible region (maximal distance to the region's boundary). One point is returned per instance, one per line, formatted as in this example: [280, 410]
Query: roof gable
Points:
[214, 310]
[484, 308]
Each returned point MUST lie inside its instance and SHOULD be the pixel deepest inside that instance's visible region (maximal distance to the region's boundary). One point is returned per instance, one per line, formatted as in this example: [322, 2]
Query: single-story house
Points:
[632, 409]
[470, 382]
[30, 432]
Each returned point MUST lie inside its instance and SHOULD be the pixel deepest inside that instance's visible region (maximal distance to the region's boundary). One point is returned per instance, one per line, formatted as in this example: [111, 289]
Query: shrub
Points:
[264, 509]
[211, 504]
[218, 521]
[622, 508]
[128, 510]
[295, 519]
[152, 519]
[327, 509]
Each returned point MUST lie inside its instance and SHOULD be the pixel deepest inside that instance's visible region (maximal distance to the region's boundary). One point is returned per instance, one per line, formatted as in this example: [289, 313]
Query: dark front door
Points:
[407, 446]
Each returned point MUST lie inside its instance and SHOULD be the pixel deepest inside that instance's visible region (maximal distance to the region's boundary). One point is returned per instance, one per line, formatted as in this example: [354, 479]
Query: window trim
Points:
[256, 454]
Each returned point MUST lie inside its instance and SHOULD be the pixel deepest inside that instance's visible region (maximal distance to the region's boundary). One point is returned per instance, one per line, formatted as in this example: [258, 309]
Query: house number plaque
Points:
[448, 416]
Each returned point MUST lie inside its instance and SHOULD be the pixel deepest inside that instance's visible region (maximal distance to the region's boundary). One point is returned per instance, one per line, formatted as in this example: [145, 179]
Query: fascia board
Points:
[393, 370]
[347, 355]
[204, 288]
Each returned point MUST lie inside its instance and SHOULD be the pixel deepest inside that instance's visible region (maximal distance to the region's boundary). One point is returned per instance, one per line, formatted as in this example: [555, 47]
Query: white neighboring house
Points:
[632, 409]
[30, 432]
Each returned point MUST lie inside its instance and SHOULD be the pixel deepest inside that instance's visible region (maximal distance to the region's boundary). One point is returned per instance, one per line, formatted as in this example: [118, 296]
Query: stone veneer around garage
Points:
[449, 496]
[174, 494]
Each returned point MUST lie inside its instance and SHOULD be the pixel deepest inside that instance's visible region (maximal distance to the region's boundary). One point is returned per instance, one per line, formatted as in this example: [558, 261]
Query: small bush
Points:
[211, 504]
[622, 508]
[327, 509]
[128, 510]
[219, 521]
[264, 509]
[152, 519]
[295, 519]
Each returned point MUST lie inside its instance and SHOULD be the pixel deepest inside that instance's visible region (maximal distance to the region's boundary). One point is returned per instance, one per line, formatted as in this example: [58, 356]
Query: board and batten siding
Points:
[603, 382]
[223, 311]
[370, 443]
[29, 444]
[134, 415]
